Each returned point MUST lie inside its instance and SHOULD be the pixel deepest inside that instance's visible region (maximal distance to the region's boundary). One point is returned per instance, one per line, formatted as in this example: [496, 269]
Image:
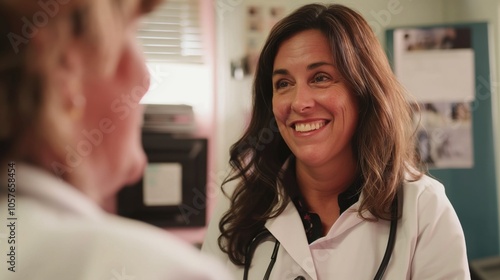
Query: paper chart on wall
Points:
[436, 66]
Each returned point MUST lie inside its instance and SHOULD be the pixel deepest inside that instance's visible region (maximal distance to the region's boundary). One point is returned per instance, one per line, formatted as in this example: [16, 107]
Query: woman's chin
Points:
[137, 168]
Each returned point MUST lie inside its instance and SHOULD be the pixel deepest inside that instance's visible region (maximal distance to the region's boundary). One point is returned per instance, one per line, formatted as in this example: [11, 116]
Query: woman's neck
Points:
[321, 186]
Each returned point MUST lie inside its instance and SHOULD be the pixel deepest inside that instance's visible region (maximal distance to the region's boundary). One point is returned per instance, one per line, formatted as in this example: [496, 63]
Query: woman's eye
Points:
[321, 78]
[281, 84]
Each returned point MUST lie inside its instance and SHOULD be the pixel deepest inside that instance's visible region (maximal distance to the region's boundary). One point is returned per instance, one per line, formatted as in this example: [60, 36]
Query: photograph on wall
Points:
[256, 32]
[260, 19]
[255, 18]
[276, 13]
[444, 137]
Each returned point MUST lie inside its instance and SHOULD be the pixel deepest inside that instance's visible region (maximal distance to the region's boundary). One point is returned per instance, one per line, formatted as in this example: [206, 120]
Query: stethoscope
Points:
[264, 233]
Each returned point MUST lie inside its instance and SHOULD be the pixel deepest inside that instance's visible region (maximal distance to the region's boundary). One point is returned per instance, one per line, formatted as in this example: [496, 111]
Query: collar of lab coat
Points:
[287, 228]
[39, 184]
[295, 241]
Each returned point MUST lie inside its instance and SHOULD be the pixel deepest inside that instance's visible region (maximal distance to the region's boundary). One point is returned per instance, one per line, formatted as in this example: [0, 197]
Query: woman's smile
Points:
[308, 126]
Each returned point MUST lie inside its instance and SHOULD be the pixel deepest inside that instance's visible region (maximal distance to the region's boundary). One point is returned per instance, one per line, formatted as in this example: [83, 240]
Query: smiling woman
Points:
[316, 112]
[340, 178]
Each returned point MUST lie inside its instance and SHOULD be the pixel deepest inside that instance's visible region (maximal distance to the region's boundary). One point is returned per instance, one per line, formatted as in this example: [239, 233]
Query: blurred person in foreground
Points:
[332, 189]
[71, 77]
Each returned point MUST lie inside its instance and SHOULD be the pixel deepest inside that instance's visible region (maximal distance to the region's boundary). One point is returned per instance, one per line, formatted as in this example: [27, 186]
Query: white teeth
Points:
[306, 127]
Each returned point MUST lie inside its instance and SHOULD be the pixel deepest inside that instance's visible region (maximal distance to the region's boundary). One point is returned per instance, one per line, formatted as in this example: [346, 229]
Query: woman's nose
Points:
[303, 99]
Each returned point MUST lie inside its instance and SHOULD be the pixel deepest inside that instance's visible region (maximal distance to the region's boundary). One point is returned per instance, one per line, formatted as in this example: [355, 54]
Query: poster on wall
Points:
[436, 66]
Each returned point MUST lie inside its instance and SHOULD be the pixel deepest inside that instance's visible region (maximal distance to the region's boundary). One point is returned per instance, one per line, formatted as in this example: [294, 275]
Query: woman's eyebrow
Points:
[309, 67]
[280, 72]
[318, 64]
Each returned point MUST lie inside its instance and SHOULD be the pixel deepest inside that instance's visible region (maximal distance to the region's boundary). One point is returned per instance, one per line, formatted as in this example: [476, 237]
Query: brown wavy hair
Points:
[383, 142]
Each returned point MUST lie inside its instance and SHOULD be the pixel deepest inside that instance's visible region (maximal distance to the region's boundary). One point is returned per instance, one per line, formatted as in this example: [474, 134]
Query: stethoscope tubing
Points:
[264, 233]
[391, 241]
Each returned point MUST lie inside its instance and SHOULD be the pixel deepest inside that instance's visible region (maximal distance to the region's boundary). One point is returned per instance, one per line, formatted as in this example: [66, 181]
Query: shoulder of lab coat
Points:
[61, 234]
[288, 222]
[439, 248]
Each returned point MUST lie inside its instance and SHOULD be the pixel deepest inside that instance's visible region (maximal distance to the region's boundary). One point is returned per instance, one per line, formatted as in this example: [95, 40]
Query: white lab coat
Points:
[429, 244]
[60, 234]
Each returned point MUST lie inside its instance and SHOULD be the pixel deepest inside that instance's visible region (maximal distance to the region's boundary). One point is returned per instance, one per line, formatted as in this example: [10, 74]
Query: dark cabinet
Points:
[172, 192]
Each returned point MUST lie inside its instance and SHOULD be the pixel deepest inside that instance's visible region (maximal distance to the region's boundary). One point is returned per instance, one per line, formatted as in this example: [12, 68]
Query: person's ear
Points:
[69, 81]
[61, 70]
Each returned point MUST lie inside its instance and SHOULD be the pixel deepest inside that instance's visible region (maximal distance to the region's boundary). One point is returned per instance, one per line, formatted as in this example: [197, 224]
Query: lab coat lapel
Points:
[293, 241]
[349, 219]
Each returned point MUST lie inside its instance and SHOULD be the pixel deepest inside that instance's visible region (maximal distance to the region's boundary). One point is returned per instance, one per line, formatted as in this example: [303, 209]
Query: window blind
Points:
[172, 33]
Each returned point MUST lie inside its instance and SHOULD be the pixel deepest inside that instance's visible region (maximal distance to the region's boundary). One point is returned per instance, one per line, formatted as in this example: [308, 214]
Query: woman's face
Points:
[316, 112]
[113, 116]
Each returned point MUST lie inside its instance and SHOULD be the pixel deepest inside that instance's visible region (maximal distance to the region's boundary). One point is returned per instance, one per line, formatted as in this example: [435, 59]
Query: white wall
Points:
[383, 14]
